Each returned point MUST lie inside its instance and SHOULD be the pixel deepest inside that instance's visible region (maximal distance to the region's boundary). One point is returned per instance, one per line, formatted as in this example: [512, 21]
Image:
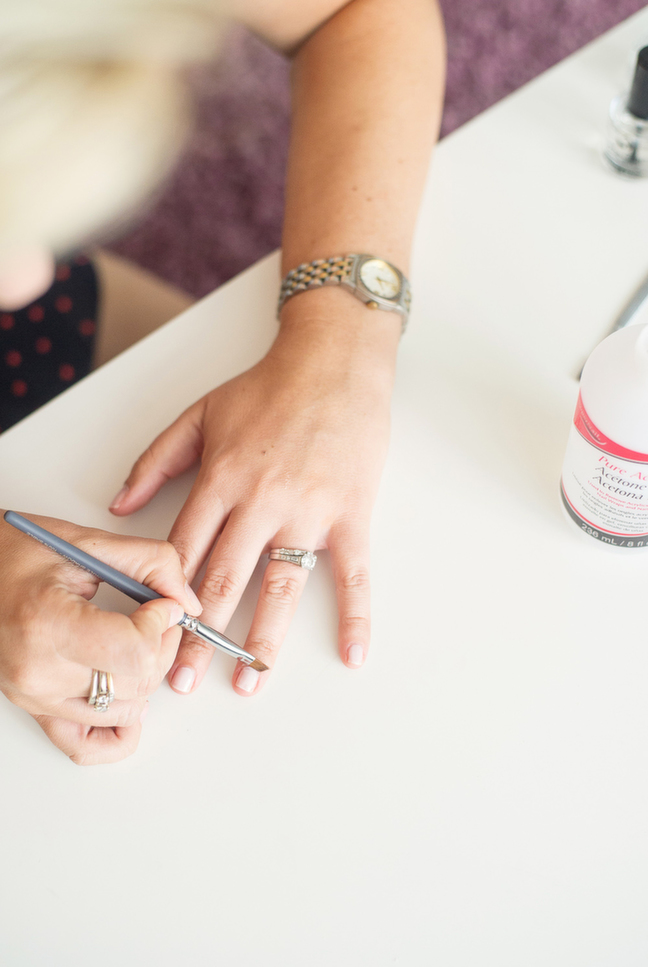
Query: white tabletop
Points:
[476, 796]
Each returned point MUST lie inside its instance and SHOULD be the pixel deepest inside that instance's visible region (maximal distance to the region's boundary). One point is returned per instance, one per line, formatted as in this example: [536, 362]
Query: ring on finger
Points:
[102, 692]
[294, 556]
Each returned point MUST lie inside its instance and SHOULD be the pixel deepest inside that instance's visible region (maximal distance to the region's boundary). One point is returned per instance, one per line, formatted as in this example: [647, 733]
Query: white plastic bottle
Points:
[604, 482]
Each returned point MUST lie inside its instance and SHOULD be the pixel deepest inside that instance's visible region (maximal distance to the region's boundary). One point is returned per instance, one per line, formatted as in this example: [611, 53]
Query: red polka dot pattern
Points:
[47, 346]
[36, 313]
[43, 345]
[63, 303]
[19, 387]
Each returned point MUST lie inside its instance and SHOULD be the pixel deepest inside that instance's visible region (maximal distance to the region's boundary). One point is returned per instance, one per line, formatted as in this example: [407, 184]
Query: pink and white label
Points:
[604, 485]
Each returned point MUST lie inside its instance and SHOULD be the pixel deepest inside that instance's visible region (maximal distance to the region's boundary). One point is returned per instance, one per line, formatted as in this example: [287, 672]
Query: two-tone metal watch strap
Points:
[311, 275]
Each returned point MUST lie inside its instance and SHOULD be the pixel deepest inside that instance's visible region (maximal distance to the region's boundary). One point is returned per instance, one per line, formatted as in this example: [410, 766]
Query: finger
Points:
[87, 746]
[349, 547]
[230, 567]
[140, 645]
[151, 562]
[119, 714]
[154, 563]
[170, 454]
[198, 524]
[40, 692]
[281, 590]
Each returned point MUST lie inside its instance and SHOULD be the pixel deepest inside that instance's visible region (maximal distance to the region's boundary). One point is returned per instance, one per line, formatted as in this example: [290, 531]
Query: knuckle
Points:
[121, 715]
[88, 754]
[166, 553]
[355, 580]
[282, 588]
[220, 584]
[356, 624]
[25, 678]
[127, 714]
[193, 651]
[183, 551]
[263, 648]
[147, 686]
[80, 758]
[145, 664]
[211, 483]
[162, 560]
[143, 461]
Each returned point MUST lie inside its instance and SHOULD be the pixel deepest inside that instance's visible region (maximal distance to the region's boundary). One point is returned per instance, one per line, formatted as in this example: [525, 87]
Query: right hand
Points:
[52, 636]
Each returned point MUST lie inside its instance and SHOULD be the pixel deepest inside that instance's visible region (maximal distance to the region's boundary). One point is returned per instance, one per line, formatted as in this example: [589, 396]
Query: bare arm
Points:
[367, 80]
[367, 93]
[291, 451]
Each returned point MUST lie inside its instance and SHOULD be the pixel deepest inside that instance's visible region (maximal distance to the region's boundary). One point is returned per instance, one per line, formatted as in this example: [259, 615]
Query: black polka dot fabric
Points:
[48, 345]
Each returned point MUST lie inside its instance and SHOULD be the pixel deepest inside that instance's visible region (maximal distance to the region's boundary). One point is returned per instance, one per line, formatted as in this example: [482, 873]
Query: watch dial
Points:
[380, 278]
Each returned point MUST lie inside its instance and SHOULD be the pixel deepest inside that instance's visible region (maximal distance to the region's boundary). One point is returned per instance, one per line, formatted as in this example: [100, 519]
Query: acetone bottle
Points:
[605, 474]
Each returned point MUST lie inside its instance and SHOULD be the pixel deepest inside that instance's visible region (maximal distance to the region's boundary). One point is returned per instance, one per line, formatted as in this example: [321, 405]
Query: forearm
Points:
[294, 446]
[367, 96]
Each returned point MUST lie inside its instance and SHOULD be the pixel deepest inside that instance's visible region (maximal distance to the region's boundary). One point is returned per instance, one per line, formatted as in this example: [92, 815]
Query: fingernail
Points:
[177, 611]
[247, 680]
[183, 678]
[145, 712]
[118, 499]
[196, 606]
[355, 655]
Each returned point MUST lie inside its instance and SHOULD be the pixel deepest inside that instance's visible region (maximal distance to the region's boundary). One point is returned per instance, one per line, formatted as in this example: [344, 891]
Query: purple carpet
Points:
[221, 210]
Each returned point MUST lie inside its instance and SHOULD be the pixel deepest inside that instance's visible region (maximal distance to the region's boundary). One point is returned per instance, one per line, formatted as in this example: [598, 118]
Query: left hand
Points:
[290, 456]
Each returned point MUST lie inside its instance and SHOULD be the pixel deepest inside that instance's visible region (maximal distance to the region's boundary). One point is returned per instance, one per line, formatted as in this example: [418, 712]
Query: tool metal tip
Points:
[258, 665]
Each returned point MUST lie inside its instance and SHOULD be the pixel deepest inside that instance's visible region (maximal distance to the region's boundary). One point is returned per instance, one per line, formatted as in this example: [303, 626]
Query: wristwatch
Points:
[376, 282]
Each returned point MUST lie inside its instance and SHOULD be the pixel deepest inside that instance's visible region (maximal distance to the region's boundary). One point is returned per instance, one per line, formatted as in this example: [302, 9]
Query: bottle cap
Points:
[638, 100]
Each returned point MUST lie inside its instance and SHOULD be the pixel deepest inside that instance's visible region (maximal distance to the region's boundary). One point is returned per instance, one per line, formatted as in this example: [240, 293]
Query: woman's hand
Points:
[290, 456]
[52, 636]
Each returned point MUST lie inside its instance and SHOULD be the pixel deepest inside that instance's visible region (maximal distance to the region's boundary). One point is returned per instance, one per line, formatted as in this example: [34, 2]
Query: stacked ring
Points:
[101, 691]
[294, 556]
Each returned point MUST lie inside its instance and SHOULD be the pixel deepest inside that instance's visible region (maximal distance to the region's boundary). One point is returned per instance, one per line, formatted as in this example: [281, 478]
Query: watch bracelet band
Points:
[311, 275]
[332, 271]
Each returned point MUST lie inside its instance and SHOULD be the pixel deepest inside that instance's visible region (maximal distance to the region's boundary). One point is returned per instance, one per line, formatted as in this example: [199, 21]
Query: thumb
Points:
[155, 617]
[157, 649]
[175, 450]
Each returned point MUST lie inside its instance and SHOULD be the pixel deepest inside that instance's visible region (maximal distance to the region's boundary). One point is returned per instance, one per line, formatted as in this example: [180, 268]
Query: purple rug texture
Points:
[221, 209]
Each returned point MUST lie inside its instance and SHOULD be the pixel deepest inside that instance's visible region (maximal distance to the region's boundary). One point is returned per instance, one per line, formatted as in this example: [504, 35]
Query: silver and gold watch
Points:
[377, 283]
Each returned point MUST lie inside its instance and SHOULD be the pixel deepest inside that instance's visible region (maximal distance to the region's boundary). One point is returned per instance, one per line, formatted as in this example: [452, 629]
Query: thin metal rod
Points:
[627, 315]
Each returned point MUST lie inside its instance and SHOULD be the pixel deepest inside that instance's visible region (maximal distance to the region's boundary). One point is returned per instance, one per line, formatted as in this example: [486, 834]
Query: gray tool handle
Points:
[139, 592]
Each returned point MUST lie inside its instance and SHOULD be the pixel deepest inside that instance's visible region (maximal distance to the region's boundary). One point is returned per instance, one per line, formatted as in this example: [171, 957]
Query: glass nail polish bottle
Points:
[627, 147]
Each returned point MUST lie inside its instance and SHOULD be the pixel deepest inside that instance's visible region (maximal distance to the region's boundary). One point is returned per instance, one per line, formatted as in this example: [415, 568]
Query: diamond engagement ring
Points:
[101, 691]
[294, 556]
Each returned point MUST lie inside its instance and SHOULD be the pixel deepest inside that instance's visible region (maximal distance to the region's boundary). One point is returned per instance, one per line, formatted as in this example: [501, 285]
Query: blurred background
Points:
[221, 210]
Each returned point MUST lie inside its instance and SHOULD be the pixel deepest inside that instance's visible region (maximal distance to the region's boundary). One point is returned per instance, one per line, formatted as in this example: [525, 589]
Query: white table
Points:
[477, 795]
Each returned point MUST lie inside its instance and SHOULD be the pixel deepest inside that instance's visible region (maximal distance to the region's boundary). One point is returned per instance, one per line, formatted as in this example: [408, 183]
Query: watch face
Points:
[380, 278]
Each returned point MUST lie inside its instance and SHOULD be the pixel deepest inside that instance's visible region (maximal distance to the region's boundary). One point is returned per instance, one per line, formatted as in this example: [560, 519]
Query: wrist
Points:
[327, 336]
[331, 324]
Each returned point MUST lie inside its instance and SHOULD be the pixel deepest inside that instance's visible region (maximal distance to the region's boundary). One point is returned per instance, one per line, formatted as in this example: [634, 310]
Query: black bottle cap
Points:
[638, 100]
